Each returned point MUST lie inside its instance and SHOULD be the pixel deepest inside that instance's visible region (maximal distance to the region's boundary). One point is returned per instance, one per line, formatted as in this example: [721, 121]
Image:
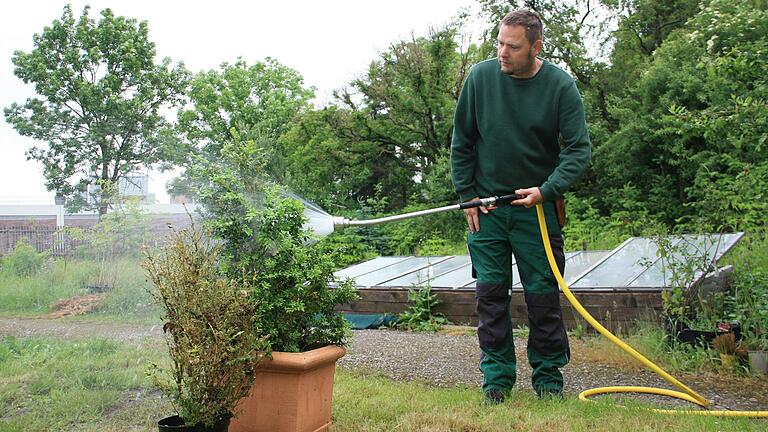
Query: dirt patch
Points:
[69, 328]
[77, 305]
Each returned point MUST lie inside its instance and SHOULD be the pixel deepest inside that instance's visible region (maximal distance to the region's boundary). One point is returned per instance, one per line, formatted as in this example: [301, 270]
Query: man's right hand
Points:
[472, 219]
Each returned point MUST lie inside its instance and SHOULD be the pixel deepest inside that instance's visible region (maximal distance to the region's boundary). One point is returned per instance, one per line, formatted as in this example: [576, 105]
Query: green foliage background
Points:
[675, 94]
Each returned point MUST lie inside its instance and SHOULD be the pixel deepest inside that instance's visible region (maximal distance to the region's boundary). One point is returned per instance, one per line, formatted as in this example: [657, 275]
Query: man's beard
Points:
[527, 67]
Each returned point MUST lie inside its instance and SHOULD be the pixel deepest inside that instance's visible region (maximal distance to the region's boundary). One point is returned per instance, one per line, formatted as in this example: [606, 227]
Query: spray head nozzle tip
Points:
[340, 223]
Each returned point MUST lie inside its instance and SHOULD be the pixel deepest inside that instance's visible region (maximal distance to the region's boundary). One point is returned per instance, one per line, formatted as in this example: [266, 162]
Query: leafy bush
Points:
[214, 340]
[749, 305]
[684, 261]
[264, 242]
[420, 315]
[291, 281]
[25, 261]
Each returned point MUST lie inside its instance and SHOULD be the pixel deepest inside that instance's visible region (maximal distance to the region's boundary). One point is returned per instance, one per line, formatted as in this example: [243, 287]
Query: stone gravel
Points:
[439, 360]
[447, 360]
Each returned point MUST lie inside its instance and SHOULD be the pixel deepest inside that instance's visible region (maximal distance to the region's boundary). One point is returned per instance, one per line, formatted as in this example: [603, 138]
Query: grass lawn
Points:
[100, 385]
[58, 385]
[372, 403]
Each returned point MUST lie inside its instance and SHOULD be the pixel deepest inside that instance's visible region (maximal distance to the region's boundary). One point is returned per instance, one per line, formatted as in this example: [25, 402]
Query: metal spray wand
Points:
[342, 222]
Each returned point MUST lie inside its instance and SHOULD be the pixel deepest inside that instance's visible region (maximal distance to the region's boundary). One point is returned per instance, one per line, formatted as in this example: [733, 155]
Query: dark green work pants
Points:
[515, 230]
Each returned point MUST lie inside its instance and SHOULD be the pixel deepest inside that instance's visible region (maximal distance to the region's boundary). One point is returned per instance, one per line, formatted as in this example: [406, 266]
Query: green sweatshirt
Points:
[512, 133]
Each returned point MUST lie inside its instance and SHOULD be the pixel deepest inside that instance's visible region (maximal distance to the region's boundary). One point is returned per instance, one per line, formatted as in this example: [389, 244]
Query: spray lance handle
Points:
[494, 200]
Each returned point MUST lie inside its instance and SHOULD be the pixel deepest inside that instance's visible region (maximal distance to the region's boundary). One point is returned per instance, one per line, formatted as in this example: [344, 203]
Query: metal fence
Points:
[56, 241]
[68, 240]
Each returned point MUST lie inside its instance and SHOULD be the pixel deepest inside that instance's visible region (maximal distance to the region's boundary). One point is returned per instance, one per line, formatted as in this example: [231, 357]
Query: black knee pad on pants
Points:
[547, 332]
[494, 325]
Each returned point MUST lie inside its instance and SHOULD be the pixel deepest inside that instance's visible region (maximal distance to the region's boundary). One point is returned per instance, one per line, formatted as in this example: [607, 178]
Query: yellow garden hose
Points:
[686, 394]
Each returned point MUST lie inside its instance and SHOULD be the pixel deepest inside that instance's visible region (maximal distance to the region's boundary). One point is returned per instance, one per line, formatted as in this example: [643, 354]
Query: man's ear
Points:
[537, 46]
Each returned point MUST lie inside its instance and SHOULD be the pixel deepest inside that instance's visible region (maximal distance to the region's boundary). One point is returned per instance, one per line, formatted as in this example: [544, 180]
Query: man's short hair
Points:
[527, 19]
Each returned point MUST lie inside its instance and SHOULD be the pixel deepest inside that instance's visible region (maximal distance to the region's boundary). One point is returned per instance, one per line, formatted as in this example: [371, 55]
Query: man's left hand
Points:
[531, 197]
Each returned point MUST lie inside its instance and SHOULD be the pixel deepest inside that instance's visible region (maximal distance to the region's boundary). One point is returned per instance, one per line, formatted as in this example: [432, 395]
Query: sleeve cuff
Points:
[467, 195]
[547, 192]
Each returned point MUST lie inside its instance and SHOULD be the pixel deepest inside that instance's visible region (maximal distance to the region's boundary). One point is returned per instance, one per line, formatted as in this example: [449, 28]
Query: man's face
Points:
[517, 56]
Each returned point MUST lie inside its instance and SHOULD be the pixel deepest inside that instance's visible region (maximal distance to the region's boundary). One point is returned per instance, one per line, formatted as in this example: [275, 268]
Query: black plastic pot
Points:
[176, 424]
[696, 337]
[682, 333]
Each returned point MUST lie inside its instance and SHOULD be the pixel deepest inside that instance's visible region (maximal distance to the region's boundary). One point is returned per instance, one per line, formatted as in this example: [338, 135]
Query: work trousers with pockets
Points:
[515, 230]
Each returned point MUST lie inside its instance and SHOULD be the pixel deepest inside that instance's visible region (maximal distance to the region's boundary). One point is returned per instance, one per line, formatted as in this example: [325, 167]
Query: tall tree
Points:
[98, 107]
[403, 107]
[264, 98]
[643, 25]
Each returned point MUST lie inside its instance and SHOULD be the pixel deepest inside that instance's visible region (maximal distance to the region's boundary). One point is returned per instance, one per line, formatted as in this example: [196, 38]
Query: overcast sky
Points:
[329, 42]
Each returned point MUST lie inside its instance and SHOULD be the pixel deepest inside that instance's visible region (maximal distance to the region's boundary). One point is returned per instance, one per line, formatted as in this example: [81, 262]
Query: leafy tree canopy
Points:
[265, 96]
[387, 129]
[99, 96]
[693, 129]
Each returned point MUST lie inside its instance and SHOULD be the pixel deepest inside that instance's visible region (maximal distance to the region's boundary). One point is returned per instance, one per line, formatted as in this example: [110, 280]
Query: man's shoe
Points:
[493, 396]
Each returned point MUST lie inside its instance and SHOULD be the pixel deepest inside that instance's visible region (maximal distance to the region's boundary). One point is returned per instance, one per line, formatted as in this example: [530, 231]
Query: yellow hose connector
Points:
[687, 393]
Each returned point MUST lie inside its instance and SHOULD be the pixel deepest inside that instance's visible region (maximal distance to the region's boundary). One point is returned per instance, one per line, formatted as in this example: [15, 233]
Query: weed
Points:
[420, 315]
[580, 330]
[522, 331]
[24, 261]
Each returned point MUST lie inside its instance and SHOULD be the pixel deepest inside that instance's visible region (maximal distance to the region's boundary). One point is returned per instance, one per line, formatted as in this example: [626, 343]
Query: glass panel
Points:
[367, 266]
[517, 282]
[379, 276]
[431, 272]
[621, 267]
[653, 277]
[578, 263]
[714, 245]
[456, 278]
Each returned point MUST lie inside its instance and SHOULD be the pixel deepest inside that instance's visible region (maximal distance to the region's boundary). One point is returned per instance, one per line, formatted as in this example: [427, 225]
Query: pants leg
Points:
[548, 348]
[491, 259]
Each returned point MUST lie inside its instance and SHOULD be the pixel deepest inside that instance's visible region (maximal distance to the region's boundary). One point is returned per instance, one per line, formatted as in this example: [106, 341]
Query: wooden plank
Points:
[612, 309]
[383, 296]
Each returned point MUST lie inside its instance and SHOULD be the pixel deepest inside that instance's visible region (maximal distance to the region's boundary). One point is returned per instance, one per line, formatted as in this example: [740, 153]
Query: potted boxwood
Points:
[292, 297]
[263, 237]
[212, 334]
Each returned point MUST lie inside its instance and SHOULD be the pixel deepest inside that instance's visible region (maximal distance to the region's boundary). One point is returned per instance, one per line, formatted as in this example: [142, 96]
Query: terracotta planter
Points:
[293, 392]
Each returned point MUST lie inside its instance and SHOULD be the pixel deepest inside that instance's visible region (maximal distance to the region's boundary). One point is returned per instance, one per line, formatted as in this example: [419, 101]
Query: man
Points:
[519, 127]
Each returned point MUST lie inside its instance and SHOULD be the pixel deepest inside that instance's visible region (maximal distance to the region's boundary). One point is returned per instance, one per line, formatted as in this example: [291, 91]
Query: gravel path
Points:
[437, 359]
[444, 360]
